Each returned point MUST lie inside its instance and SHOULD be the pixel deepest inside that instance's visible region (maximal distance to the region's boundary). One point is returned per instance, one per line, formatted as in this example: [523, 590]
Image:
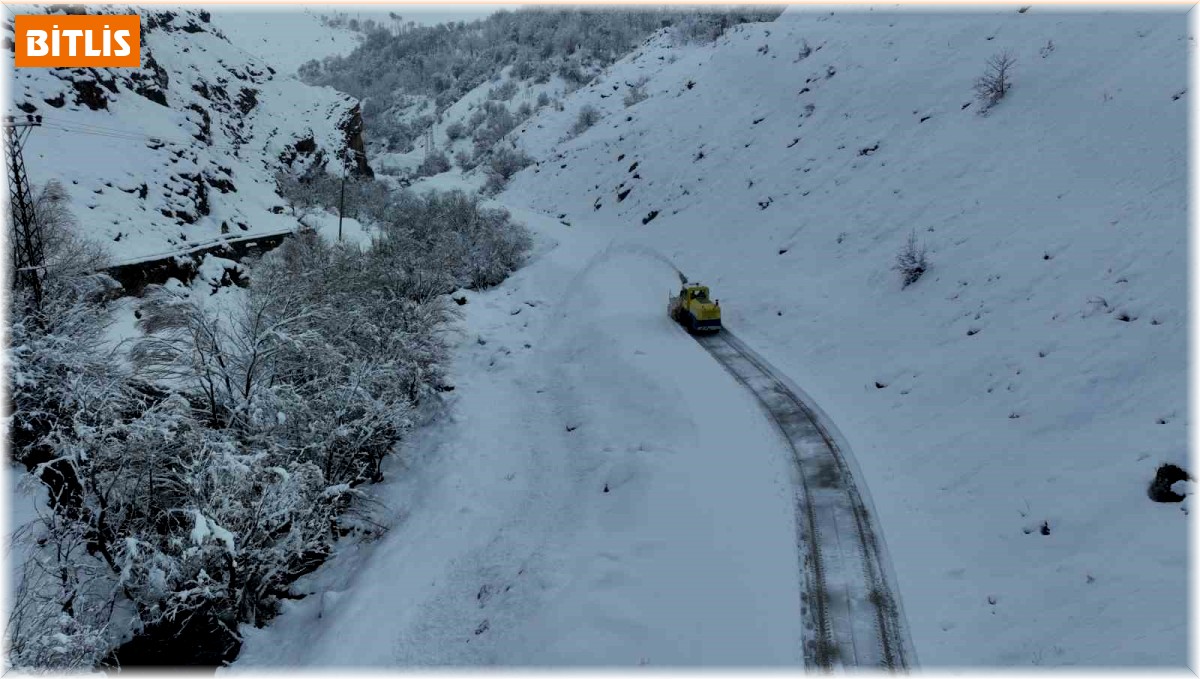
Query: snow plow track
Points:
[851, 611]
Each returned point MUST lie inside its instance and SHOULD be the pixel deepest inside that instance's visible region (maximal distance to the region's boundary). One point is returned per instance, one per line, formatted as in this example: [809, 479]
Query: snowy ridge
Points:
[184, 149]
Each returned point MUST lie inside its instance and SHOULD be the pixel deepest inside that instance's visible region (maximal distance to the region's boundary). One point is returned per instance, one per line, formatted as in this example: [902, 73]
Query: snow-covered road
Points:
[601, 492]
[852, 612]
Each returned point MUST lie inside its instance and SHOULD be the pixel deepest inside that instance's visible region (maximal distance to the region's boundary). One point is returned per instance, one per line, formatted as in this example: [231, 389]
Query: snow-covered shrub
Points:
[191, 492]
[465, 160]
[504, 92]
[61, 384]
[192, 521]
[543, 99]
[453, 234]
[434, 163]
[476, 119]
[911, 261]
[456, 130]
[805, 51]
[59, 375]
[542, 72]
[699, 28]
[573, 73]
[523, 69]
[59, 610]
[503, 163]
[636, 93]
[588, 116]
[228, 359]
[309, 191]
[498, 123]
[994, 84]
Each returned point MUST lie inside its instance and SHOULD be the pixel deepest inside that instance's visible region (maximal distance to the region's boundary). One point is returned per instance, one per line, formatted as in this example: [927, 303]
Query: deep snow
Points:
[505, 547]
[1035, 374]
[273, 34]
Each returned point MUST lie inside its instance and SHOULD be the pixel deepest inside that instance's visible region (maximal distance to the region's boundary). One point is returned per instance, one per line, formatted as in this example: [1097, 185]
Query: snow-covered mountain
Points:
[183, 151]
[1007, 410]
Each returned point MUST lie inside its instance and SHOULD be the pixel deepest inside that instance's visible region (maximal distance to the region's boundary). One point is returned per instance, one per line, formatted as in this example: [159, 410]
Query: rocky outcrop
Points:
[355, 152]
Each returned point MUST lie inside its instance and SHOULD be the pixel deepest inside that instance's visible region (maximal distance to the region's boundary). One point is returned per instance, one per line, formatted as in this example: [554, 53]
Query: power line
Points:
[126, 135]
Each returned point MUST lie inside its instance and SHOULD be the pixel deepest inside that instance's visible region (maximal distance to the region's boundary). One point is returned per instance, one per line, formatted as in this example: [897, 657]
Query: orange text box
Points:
[99, 40]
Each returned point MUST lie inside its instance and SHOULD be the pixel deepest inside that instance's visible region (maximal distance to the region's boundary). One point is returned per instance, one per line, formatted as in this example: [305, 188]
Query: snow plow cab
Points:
[693, 309]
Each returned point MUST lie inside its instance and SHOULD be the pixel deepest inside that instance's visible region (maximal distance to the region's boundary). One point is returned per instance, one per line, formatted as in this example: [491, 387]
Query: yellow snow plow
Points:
[693, 309]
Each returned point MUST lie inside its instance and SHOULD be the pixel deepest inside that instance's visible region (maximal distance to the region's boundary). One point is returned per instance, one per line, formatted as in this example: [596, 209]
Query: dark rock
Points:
[1166, 476]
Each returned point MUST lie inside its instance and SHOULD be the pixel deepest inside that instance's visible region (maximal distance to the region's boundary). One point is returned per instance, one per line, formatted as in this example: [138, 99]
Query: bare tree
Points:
[996, 81]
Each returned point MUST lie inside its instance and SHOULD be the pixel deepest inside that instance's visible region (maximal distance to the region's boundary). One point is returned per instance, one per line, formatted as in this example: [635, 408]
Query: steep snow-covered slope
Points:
[275, 34]
[1009, 409]
[182, 151]
[526, 93]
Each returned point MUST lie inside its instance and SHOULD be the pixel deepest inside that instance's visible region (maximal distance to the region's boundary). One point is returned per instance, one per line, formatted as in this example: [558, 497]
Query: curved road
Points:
[850, 607]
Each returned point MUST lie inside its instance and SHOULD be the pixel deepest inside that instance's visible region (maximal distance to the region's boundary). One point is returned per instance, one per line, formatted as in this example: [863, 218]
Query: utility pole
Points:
[358, 155]
[342, 206]
[27, 242]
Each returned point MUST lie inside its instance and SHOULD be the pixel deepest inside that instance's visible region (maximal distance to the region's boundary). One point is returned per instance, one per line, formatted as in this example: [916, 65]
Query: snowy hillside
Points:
[182, 151]
[566, 478]
[288, 27]
[454, 131]
[1008, 409]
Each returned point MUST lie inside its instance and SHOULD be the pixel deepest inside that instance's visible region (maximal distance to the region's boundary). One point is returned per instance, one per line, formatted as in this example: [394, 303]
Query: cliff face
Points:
[352, 127]
[183, 150]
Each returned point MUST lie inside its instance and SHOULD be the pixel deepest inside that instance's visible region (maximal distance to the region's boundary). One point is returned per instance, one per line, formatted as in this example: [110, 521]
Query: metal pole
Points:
[28, 254]
[341, 207]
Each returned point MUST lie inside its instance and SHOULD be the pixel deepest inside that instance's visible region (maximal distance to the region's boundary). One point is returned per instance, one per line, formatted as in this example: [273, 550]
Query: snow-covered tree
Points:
[994, 84]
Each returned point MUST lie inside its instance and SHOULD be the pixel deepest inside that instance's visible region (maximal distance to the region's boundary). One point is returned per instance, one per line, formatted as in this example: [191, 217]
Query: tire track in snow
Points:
[848, 602]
